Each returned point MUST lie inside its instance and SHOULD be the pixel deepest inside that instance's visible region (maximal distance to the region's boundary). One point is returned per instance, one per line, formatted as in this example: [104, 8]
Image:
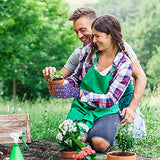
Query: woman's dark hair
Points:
[109, 24]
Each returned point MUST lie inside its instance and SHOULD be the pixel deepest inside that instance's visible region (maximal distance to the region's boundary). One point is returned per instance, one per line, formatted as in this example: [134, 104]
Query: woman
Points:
[99, 82]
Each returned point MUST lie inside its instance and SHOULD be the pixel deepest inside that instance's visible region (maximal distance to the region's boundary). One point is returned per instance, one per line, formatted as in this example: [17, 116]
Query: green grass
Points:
[45, 117]
[149, 145]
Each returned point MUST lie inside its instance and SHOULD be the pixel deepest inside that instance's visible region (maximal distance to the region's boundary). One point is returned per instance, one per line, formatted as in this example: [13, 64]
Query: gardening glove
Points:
[67, 91]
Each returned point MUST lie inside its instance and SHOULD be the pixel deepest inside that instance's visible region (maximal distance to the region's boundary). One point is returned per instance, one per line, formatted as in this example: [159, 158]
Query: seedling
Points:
[56, 75]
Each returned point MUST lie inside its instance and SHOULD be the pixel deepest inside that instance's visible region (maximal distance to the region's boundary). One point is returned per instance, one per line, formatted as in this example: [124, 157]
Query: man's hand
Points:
[129, 115]
[67, 91]
[48, 71]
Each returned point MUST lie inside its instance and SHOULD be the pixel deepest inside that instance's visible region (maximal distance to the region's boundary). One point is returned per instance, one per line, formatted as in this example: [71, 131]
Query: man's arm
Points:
[139, 87]
[140, 84]
[66, 72]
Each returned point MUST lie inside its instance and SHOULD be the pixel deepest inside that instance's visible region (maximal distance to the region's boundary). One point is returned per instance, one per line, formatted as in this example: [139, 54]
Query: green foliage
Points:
[56, 75]
[143, 32]
[125, 138]
[148, 33]
[33, 34]
[46, 116]
[45, 127]
[117, 8]
[153, 69]
[150, 108]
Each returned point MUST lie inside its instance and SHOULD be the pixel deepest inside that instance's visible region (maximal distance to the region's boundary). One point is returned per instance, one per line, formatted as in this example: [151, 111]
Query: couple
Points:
[101, 84]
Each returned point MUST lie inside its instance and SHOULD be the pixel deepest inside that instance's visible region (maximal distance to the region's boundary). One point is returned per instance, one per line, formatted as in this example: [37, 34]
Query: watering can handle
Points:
[21, 137]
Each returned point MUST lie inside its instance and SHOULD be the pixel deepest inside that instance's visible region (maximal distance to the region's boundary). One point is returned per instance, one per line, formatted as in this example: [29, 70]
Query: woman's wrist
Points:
[80, 94]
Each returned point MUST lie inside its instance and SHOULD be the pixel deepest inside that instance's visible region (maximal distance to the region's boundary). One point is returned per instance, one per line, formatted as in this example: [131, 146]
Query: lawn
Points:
[45, 117]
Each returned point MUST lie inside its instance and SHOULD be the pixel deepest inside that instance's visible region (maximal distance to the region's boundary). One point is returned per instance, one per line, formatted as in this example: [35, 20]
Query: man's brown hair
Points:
[84, 11]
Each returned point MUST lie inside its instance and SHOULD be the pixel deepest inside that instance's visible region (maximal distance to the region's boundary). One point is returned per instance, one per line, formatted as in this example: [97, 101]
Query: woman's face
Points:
[102, 40]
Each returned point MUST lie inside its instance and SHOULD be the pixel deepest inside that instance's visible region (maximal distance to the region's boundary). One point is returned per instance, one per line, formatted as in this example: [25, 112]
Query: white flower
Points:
[68, 122]
[65, 128]
[60, 126]
[59, 136]
[85, 127]
[68, 129]
[64, 132]
[74, 129]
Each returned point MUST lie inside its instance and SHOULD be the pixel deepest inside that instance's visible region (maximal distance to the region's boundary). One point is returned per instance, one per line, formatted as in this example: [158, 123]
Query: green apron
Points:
[125, 100]
[92, 82]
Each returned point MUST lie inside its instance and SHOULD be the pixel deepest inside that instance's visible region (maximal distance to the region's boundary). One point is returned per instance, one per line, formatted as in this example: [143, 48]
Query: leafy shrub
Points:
[125, 139]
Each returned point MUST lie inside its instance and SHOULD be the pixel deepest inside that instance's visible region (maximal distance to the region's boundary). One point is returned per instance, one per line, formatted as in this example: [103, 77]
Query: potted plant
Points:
[55, 79]
[125, 141]
[70, 137]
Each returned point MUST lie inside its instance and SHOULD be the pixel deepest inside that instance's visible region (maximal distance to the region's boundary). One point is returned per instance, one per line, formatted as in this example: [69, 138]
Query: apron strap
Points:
[96, 59]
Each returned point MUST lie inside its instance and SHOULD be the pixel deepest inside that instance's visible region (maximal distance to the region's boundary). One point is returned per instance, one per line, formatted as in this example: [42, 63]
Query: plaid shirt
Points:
[120, 79]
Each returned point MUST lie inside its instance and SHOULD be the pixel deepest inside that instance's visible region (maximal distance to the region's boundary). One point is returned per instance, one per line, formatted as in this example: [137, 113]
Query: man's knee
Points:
[100, 144]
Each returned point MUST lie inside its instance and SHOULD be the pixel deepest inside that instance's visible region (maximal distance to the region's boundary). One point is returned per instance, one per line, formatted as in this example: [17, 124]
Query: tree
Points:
[153, 69]
[144, 31]
[117, 8]
[34, 34]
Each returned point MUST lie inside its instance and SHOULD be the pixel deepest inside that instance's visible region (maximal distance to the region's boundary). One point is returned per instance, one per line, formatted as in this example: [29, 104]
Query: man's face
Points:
[82, 27]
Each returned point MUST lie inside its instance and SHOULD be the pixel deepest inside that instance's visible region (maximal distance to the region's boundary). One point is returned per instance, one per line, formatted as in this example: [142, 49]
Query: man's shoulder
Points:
[82, 49]
[130, 51]
[78, 49]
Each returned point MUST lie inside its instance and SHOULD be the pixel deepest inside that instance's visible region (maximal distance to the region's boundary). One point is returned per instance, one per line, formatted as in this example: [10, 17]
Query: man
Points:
[82, 20]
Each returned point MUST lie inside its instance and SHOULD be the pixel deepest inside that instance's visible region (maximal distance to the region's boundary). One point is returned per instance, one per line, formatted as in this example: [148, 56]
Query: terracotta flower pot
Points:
[52, 85]
[67, 155]
[117, 155]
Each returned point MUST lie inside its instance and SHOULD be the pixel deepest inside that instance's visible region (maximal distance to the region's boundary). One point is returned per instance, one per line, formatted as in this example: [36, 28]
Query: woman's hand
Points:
[129, 115]
[48, 71]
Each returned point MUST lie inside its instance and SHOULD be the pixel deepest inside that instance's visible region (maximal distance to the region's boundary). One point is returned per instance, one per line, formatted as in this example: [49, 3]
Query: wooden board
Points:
[14, 123]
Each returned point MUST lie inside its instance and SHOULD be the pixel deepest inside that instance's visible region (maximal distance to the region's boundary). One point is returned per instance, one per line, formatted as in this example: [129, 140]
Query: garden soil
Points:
[41, 150]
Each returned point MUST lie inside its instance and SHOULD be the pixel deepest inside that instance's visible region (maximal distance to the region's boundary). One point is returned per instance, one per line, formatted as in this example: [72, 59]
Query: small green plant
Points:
[125, 138]
[56, 75]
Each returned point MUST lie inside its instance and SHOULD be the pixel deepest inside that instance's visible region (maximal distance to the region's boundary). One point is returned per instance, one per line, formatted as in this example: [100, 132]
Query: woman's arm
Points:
[119, 83]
